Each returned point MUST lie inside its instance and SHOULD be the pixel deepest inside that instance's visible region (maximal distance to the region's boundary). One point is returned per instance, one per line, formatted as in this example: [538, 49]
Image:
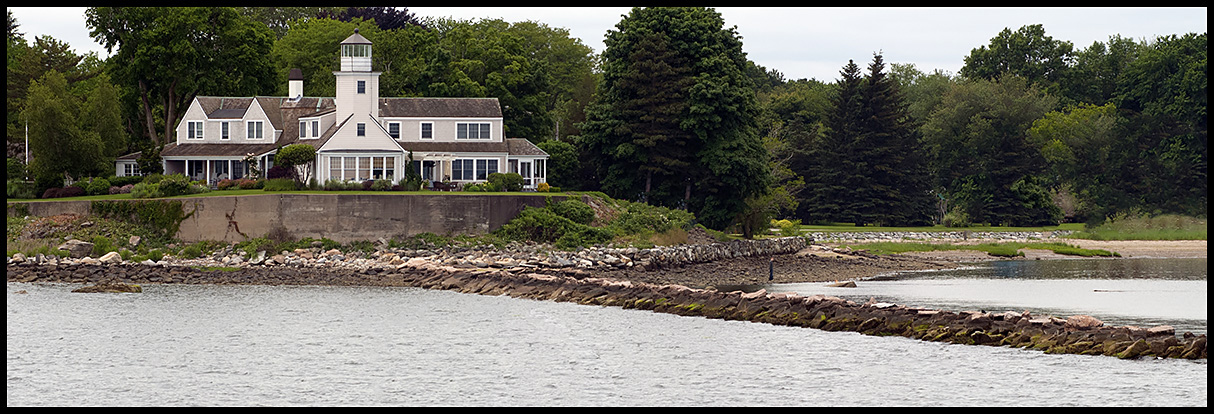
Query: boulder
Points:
[77, 248]
[1082, 323]
[111, 258]
[17, 258]
[847, 284]
[1161, 330]
[134, 241]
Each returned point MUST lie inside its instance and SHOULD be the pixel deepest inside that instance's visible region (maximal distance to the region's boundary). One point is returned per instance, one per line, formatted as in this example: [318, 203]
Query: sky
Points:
[799, 42]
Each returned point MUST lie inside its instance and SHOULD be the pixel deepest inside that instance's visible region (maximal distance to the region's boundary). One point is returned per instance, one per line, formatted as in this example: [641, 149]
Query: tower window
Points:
[362, 86]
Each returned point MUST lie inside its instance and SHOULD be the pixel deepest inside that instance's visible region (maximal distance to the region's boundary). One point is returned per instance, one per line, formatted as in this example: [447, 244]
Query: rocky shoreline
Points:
[1075, 335]
[680, 279]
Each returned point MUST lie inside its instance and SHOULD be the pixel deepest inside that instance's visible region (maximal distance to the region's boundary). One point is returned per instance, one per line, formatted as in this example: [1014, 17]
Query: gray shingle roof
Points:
[440, 107]
[520, 146]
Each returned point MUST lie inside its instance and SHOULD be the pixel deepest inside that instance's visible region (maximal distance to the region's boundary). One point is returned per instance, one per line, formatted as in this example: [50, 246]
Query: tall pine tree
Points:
[829, 171]
[895, 189]
[703, 153]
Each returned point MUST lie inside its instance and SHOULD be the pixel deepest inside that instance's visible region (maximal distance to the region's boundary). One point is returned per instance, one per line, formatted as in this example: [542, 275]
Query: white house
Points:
[358, 135]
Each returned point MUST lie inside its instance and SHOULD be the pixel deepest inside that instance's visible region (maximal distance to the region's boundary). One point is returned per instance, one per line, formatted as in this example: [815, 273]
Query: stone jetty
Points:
[1079, 334]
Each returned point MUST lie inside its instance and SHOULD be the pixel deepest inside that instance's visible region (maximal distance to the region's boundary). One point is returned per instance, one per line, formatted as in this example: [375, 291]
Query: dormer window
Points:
[362, 129]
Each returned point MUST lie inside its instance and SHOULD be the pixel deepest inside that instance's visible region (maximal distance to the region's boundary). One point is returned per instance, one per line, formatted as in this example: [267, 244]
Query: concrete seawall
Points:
[1074, 335]
[340, 217]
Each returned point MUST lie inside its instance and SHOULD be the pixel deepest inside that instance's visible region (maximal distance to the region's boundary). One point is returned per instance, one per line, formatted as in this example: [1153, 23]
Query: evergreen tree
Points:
[725, 159]
[896, 190]
[828, 166]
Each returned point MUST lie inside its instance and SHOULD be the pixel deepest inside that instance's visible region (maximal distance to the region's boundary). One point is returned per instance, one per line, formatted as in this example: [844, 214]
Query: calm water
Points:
[1139, 292]
[181, 345]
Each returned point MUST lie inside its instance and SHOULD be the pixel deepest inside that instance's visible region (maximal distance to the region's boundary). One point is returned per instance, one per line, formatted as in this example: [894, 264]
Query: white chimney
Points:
[295, 84]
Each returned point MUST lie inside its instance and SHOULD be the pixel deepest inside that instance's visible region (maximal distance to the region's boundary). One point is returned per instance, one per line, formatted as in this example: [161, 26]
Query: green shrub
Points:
[574, 210]
[545, 226]
[279, 184]
[98, 186]
[19, 189]
[381, 185]
[174, 185]
[102, 245]
[506, 181]
[956, 218]
[192, 251]
[787, 227]
[146, 190]
[155, 255]
[474, 188]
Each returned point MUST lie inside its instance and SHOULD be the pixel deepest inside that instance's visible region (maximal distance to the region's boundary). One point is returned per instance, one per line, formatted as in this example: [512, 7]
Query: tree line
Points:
[1032, 131]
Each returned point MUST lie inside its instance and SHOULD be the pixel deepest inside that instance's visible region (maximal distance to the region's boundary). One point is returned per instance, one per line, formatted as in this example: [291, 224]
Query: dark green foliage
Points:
[574, 210]
[562, 163]
[160, 217]
[98, 186]
[542, 225]
[174, 185]
[674, 122]
[506, 181]
[280, 184]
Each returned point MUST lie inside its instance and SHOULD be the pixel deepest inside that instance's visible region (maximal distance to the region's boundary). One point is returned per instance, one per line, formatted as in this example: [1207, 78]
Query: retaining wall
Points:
[340, 217]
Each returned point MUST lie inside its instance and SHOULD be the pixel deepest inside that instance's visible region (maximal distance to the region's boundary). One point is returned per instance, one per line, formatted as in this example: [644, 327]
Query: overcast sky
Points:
[806, 42]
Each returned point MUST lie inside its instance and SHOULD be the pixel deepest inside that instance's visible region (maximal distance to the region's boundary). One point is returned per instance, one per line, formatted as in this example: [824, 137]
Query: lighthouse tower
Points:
[357, 85]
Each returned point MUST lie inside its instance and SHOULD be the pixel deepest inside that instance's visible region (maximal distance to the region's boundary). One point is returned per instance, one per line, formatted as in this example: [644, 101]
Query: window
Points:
[472, 131]
[193, 129]
[364, 168]
[362, 129]
[356, 50]
[255, 129]
[427, 130]
[461, 170]
[394, 129]
[223, 130]
[348, 170]
[484, 168]
[315, 129]
[335, 168]
[362, 86]
[303, 129]
[539, 168]
[130, 169]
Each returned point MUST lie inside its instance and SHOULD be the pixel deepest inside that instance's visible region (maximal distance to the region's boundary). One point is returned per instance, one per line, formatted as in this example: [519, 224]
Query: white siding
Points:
[444, 129]
[347, 137]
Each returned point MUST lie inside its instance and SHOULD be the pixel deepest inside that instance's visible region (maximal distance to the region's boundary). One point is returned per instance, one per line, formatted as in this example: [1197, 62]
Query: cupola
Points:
[356, 53]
